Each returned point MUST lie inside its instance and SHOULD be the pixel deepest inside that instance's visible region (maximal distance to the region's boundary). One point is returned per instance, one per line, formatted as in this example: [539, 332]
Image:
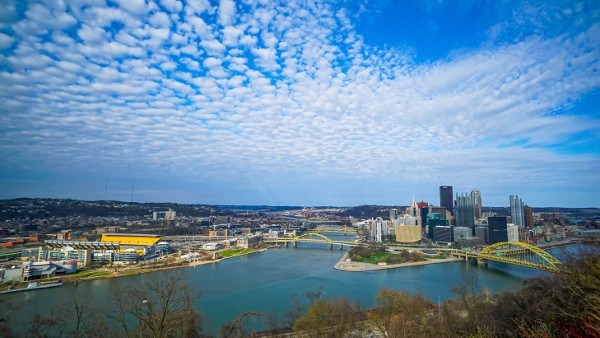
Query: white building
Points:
[170, 215]
[512, 232]
[378, 229]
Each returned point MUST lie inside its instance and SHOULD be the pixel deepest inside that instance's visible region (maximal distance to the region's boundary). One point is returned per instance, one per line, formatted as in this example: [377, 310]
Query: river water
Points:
[265, 282]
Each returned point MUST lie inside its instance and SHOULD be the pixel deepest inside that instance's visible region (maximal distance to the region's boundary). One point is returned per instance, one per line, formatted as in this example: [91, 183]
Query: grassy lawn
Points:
[376, 258]
[232, 252]
[89, 274]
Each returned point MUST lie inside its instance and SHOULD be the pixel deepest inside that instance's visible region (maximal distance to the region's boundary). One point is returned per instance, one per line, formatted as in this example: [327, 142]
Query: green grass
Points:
[376, 258]
[90, 274]
[233, 252]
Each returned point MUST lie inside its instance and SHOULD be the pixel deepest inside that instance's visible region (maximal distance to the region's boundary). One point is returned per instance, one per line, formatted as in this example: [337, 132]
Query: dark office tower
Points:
[528, 217]
[464, 213]
[424, 210]
[497, 229]
[476, 196]
[447, 198]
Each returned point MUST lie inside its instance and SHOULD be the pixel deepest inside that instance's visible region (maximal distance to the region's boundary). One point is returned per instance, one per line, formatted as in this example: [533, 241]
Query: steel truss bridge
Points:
[521, 254]
[311, 237]
[336, 230]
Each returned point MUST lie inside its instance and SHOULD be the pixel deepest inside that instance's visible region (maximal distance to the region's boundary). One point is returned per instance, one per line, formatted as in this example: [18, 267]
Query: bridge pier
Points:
[295, 244]
[341, 246]
[330, 246]
[287, 244]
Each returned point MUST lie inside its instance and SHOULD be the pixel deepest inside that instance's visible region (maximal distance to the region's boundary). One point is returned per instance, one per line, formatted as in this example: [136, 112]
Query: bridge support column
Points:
[287, 244]
[330, 246]
[295, 244]
[341, 246]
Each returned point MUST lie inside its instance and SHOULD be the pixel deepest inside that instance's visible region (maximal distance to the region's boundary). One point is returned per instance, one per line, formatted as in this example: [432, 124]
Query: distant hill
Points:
[32, 208]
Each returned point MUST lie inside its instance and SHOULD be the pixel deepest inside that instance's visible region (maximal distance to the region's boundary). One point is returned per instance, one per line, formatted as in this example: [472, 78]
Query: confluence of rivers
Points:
[265, 282]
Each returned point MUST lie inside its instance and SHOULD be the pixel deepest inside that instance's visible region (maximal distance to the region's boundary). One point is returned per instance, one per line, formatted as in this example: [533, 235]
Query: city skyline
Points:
[300, 103]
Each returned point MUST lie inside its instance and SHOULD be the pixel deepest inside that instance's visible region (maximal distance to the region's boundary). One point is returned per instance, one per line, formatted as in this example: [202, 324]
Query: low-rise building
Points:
[443, 233]
[249, 241]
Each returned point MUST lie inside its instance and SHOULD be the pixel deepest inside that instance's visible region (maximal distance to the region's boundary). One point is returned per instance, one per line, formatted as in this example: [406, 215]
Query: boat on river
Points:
[33, 286]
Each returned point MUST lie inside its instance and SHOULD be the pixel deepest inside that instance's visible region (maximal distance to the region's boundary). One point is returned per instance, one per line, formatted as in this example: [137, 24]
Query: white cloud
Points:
[91, 35]
[281, 87]
[266, 58]
[231, 35]
[212, 62]
[226, 12]
[160, 19]
[5, 41]
[172, 5]
[137, 7]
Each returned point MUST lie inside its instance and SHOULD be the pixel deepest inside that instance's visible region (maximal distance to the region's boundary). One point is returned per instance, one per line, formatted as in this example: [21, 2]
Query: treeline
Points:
[566, 304]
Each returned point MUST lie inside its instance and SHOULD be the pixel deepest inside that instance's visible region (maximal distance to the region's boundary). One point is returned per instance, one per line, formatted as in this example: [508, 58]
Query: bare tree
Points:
[398, 314]
[161, 306]
[338, 317]
[298, 308]
[247, 324]
[52, 325]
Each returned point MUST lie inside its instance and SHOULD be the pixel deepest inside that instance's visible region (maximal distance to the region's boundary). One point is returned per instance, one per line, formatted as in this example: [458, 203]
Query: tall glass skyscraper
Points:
[476, 196]
[446, 198]
[516, 210]
[464, 213]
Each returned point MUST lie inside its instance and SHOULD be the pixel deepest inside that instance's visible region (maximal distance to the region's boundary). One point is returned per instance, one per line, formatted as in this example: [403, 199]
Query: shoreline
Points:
[110, 274]
[343, 265]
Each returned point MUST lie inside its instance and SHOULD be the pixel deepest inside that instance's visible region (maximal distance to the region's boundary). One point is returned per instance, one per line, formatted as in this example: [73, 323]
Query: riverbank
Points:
[344, 265]
[109, 273]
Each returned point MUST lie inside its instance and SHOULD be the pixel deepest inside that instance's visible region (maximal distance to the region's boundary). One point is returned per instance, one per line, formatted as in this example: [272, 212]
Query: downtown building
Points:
[517, 212]
[378, 229]
[447, 198]
[464, 213]
[408, 229]
[435, 219]
[497, 230]
[477, 205]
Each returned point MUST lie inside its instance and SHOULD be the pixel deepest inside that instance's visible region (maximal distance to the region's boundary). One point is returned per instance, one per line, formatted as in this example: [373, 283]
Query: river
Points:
[264, 282]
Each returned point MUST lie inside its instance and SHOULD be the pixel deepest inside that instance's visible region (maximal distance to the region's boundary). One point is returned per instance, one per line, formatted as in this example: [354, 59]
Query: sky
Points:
[307, 102]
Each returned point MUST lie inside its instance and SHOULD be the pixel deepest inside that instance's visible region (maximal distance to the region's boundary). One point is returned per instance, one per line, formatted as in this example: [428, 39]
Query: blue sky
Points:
[300, 102]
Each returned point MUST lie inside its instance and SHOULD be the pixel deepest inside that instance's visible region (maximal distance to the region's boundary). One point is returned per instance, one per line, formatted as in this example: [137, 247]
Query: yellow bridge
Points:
[311, 237]
[335, 229]
[521, 254]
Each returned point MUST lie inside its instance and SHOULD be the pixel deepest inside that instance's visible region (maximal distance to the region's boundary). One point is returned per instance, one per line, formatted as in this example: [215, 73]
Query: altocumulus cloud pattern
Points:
[289, 102]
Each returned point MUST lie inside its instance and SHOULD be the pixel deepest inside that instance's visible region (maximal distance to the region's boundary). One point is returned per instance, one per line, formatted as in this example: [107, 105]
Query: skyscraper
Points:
[447, 198]
[464, 213]
[497, 229]
[379, 229]
[516, 210]
[424, 210]
[476, 197]
[528, 217]
[394, 215]
[413, 210]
